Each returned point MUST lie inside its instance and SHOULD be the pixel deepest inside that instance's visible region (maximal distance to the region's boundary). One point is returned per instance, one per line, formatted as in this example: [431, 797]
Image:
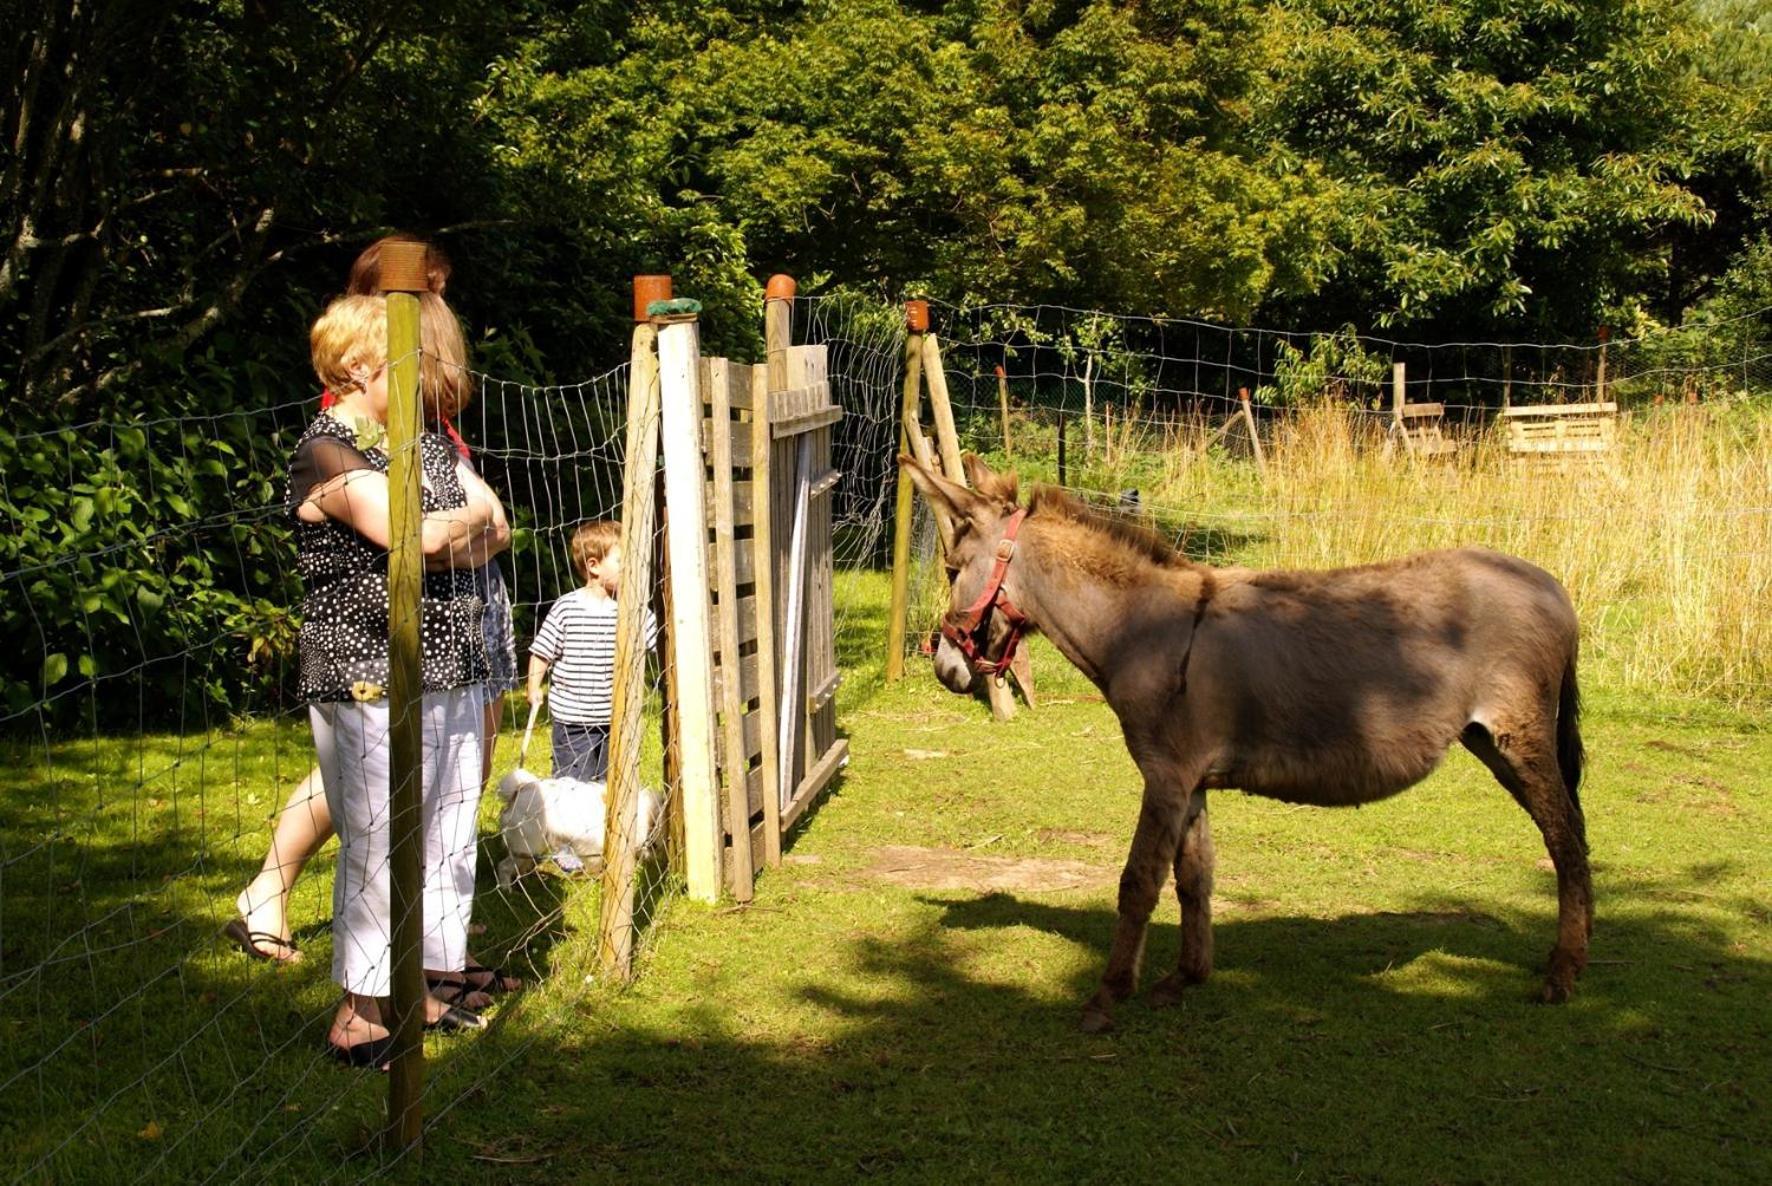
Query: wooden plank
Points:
[798, 401]
[738, 440]
[807, 421]
[777, 318]
[1529, 411]
[825, 482]
[816, 780]
[717, 383]
[898, 610]
[1418, 411]
[738, 503]
[687, 543]
[747, 677]
[827, 688]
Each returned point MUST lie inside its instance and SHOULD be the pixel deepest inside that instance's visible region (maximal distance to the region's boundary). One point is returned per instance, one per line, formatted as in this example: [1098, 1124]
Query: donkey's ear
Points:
[1002, 487]
[960, 503]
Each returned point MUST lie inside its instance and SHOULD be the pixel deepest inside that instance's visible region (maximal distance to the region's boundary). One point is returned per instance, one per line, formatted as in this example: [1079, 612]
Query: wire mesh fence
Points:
[152, 734]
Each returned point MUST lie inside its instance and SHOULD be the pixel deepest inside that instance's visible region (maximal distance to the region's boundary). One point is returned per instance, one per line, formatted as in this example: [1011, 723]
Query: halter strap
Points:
[971, 631]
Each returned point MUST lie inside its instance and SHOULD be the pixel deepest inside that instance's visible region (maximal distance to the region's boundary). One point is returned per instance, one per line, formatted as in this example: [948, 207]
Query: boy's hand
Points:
[536, 695]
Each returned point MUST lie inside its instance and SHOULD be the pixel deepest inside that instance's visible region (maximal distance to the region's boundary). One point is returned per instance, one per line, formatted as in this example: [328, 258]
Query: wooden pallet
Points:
[1561, 435]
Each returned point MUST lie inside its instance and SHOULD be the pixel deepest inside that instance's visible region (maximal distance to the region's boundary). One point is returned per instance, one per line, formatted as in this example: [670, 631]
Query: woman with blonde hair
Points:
[305, 824]
[339, 498]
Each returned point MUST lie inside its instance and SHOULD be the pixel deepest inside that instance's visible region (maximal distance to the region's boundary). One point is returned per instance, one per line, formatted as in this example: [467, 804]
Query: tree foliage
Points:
[186, 180]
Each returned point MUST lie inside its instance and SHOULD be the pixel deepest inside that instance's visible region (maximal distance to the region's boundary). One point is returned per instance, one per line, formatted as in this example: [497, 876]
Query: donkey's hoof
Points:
[1096, 1020]
[1555, 993]
[1167, 991]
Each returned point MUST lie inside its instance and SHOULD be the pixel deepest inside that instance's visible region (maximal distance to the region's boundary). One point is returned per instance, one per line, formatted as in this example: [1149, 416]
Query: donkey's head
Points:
[982, 624]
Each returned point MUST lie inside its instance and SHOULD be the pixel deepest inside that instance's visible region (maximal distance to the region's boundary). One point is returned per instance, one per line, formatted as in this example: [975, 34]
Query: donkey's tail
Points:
[1571, 755]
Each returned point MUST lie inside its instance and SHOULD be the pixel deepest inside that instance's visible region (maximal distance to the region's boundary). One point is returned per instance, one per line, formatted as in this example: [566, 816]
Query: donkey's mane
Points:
[1133, 541]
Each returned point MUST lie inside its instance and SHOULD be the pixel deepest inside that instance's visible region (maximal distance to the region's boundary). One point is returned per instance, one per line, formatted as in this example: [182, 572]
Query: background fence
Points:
[149, 733]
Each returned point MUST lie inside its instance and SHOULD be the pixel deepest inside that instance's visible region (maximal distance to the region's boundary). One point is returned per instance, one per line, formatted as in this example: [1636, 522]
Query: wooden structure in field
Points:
[1419, 427]
[750, 646]
[1561, 435]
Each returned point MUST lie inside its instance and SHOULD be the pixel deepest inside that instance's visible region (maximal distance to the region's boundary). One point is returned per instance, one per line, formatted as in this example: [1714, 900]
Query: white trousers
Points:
[352, 742]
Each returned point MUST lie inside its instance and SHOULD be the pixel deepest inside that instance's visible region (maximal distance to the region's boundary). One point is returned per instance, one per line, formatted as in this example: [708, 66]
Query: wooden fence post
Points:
[1254, 435]
[947, 439]
[615, 929]
[679, 367]
[902, 508]
[1003, 407]
[403, 276]
[1600, 379]
[778, 313]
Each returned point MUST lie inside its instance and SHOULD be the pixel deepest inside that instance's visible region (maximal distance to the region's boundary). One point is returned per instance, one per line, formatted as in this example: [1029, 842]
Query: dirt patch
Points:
[1081, 839]
[946, 869]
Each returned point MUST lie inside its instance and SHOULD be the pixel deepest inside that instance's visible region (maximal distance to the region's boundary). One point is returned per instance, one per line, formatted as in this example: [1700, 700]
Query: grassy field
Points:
[901, 1000]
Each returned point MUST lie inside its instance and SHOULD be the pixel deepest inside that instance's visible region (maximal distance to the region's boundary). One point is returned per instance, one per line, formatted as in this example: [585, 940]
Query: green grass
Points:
[1369, 1019]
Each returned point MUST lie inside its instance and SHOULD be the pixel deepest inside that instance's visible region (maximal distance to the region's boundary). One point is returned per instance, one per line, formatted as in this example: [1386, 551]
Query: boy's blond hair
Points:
[353, 331]
[591, 542]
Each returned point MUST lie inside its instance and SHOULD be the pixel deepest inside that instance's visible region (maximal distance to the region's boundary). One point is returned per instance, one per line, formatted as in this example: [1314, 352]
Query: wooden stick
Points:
[912, 429]
[947, 437]
[1003, 407]
[1254, 435]
[405, 692]
[679, 368]
[899, 610]
[639, 509]
[717, 379]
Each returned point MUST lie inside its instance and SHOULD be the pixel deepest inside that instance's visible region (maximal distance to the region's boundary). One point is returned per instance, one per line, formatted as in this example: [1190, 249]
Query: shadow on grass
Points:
[1393, 1046]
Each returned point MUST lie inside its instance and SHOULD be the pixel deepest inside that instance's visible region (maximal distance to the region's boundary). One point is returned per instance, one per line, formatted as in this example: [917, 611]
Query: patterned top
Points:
[578, 639]
[344, 630]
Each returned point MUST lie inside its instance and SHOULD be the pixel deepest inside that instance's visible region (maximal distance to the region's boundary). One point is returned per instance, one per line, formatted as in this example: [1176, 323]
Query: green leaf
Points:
[55, 669]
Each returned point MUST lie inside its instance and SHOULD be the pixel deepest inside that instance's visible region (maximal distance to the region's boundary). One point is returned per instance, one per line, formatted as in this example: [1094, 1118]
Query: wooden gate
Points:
[767, 450]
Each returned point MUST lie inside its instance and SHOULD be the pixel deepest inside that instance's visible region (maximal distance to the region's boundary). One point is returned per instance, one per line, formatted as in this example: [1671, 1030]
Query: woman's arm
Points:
[458, 538]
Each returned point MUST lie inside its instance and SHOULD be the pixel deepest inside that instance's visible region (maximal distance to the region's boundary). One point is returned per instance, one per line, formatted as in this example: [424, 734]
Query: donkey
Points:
[1335, 687]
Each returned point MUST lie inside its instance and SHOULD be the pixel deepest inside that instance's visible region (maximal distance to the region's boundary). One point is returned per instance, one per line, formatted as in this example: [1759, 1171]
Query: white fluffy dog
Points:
[543, 815]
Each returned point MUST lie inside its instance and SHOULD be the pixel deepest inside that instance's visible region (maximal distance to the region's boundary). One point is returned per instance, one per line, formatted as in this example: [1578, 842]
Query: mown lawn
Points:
[1369, 1020]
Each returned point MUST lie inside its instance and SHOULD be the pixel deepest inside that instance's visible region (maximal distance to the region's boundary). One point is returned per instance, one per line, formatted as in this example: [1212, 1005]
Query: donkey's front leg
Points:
[1147, 867]
[1194, 859]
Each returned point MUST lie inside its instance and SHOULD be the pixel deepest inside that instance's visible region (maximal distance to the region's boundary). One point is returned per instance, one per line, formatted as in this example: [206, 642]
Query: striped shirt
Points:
[578, 641]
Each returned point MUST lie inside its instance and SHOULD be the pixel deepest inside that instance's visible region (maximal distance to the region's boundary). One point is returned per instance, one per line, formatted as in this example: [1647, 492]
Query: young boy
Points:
[576, 645]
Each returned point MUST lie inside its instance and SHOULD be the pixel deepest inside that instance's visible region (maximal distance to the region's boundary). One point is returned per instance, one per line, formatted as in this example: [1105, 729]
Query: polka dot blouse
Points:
[344, 629]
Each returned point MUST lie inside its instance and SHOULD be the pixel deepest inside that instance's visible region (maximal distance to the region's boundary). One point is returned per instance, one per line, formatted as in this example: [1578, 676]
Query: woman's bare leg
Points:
[303, 826]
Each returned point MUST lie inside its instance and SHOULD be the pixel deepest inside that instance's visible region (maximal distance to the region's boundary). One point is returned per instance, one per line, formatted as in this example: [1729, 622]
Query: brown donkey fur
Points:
[1334, 688]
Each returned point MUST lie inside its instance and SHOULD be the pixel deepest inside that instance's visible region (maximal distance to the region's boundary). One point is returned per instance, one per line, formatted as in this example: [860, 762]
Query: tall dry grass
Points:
[1665, 545]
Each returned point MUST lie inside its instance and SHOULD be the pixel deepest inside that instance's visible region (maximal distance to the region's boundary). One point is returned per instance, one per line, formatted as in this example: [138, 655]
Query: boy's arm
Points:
[538, 670]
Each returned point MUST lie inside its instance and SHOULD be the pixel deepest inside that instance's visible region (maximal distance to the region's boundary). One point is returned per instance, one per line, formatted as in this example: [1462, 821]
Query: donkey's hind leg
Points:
[1147, 867]
[1526, 764]
[1193, 886]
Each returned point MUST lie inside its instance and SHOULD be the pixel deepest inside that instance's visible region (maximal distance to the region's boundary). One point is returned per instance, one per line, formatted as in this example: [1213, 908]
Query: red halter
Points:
[970, 630]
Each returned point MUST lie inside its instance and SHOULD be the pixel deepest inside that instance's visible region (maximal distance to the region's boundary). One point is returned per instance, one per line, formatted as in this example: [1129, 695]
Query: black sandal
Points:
[454, 1020]
[371, 1053]
[248, 941]
[498, 980]
[454, 990]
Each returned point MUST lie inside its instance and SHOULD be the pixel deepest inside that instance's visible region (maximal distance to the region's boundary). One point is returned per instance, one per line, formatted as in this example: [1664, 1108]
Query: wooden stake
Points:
[947, 438]
[1254, 436]
[406, 1068]
[899, 610]
[1003, 407]
[639, 507]
[679, 358]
